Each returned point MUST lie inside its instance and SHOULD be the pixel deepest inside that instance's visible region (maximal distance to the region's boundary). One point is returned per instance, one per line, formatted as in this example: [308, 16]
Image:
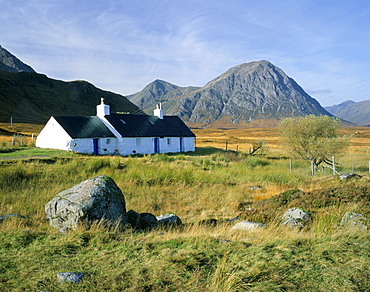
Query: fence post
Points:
[226, 145]
[290, 165]
[312, 169]
[333, 164]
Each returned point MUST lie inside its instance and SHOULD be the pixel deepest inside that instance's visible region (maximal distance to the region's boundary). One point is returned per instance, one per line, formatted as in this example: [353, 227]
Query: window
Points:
[168, 141]
[108, 141]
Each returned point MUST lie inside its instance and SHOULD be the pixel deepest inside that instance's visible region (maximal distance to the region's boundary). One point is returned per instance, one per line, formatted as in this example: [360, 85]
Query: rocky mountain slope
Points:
[10, 63]
[240, 96]
[29, 97]
[355, 112]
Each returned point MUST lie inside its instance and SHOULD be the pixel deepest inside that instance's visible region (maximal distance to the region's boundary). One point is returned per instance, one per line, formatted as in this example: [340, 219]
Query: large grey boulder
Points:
[94, 199]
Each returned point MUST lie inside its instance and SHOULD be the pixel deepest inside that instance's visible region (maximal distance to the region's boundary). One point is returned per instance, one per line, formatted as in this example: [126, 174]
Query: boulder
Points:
[354, 220]
[297, 214]
[142, 221]
[247, 225]
[169, 219]
[94, 199]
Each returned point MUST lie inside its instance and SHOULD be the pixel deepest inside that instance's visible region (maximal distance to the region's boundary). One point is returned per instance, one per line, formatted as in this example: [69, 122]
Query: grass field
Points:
[209, 184]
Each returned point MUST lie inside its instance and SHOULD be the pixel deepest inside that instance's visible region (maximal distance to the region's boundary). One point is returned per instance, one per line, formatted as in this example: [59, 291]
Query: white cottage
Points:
[117, 134]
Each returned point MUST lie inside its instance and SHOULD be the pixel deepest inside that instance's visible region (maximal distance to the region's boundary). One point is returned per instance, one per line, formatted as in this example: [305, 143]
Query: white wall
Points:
[53, 136]
[130, 146]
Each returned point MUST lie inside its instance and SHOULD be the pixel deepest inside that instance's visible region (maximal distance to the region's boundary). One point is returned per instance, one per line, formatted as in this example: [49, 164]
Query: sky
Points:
[122, 46]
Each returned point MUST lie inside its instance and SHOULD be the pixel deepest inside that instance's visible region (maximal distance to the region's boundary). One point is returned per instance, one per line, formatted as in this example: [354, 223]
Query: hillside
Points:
[29, 97]
[33, 98]
[240, 96]
[355, 112]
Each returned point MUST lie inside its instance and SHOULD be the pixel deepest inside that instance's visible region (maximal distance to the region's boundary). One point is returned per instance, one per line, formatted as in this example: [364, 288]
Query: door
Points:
[96, 146]
[181, 144]
[156, 145]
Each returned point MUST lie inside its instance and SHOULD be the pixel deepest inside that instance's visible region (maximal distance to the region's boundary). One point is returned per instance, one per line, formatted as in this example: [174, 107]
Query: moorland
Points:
[216, 182]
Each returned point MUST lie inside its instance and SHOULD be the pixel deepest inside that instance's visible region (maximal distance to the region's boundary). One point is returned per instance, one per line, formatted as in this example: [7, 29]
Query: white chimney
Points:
[158, 112]
[102, 109]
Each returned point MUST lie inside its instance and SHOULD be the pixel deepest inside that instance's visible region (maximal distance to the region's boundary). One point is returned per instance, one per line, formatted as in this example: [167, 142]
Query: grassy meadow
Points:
[211, 183]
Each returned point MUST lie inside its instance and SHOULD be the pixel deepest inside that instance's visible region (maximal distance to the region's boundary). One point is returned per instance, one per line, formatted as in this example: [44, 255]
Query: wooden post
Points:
[333, 165]
[290, 165]
[237, 148]
[32, 139]
[11, 122]
[226, 145]
[312, 169]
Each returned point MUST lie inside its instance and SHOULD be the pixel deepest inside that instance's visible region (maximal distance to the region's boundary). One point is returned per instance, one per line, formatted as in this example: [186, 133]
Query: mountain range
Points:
[355, 112]
[255, 94]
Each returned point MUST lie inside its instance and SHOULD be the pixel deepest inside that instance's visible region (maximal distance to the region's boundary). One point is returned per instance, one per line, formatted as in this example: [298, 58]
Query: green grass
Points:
[195, 186]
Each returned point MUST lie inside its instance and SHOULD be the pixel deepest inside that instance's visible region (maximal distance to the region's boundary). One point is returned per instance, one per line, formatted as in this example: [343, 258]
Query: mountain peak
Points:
[250, 91]
[10, 63]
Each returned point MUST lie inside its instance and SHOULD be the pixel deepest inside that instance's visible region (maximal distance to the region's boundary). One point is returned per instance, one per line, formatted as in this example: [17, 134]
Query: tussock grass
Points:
[210, 185]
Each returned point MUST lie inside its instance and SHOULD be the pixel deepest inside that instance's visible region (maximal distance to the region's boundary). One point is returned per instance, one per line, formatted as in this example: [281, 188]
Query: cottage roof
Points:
[129, 125]
[84, 127]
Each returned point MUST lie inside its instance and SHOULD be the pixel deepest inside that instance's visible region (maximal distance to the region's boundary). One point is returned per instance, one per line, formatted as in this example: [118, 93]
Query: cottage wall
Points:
[145, 145]
[53, 136]
[106, 146]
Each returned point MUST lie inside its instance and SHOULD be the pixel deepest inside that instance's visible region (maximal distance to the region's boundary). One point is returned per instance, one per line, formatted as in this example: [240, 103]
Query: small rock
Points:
[142, 221]
[169, 219]
[354, 220]
[348, 175]
[2, 218]
[255, 188]
[247, 225]
[70, 277]
[297, 214]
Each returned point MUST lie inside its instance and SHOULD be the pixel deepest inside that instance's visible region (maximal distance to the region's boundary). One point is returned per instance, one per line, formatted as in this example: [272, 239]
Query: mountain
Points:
[158, 90]
[355, 112]
[29, 97]
[244, 94]
[10, 63]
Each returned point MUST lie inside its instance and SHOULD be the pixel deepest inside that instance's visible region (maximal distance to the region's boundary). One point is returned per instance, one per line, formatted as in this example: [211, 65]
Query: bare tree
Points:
[313, 138]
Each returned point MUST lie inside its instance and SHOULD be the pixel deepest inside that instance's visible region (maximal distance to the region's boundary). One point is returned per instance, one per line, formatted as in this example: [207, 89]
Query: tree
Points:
[258, 146]
[313, 138]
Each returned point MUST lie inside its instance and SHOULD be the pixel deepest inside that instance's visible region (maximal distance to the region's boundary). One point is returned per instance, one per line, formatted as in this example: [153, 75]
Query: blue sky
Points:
[122, 46]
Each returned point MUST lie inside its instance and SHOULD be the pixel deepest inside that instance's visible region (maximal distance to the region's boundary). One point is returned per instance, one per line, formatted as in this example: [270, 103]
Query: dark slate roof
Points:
[84, 127]
[129, 125]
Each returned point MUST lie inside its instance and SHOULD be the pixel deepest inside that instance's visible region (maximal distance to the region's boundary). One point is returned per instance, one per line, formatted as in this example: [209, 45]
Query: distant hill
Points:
[30, 97]
[251, 93]
[158, 90]
[10, 63]
[355, 112]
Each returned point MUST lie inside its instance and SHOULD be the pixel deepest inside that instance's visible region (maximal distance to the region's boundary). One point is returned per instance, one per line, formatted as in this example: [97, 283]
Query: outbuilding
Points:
[117, 134]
